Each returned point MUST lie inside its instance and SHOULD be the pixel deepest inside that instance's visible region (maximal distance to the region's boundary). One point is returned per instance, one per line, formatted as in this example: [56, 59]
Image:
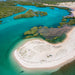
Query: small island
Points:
[31, 13]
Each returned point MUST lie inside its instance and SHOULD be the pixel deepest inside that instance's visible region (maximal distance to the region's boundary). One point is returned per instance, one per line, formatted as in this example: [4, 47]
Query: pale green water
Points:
[11, 32]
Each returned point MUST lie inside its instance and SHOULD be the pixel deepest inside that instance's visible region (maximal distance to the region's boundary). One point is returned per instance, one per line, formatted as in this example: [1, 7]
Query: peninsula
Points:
[39, 53]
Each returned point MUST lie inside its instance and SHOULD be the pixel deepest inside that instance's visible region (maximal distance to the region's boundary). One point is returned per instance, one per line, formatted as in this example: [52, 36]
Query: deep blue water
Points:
[11, 32]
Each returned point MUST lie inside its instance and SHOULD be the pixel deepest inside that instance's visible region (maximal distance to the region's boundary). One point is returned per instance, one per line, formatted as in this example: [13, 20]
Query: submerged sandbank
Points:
[37, 53]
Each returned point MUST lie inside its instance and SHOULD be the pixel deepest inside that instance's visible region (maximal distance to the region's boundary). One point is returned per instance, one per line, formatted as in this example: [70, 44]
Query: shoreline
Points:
[70, 5]
[54, 66]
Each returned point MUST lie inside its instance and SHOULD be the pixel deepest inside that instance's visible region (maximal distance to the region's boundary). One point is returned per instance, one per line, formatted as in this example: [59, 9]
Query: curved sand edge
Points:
[58, 59]
[70, 5]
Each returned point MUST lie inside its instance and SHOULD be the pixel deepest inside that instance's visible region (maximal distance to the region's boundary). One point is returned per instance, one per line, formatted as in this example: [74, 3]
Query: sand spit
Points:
[37, 53]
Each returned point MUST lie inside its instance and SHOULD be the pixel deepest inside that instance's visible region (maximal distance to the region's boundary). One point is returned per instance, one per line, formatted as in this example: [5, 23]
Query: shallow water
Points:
[11, 32]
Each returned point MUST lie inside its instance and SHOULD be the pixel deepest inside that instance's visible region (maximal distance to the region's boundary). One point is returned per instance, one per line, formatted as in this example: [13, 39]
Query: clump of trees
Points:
[31, 3]
[62, 23]
[24, 3]
[65, 22]
[31, 31]
[52, 7]
[57, 39]
[40, 5]
[68, 17]
[0, 22]
[64, 8]
[30, 13]
[71, 22]
[7, 3]
[43, 13]
[8, 9]
[37, 13]
[34, 32]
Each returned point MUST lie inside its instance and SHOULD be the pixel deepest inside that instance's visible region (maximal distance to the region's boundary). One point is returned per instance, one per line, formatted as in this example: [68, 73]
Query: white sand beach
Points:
[37, 53]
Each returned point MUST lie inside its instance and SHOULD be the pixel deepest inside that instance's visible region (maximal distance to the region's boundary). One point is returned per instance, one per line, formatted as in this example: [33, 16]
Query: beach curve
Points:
[37, 53]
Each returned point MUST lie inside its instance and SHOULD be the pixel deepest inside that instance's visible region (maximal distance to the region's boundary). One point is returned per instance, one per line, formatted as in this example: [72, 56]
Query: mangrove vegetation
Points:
[9, 8]
[46, 33]
[65, 22]
[0, 22]
[30, 13]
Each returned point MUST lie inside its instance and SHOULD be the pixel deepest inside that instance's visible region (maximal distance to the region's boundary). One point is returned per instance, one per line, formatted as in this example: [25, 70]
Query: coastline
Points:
[55, 66]
[70, 5]
[73, 12]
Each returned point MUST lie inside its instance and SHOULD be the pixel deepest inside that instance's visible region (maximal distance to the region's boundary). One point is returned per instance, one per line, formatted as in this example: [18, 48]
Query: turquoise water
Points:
[11, 32]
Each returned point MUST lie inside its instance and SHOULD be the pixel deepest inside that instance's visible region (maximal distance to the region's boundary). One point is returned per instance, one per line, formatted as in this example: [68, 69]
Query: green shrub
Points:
[28, 37]
[71, 22]
[57, 39]
[30, 13]
[40, 5]
[35, 35]
[64, 19]
[24, 3]
[62, 23]
[43, 13]
[0, 22]
[10, 10]
[27, 33]
[51, 7]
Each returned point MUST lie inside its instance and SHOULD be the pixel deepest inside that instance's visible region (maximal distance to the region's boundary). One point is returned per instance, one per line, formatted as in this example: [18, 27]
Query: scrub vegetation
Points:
[8, 9]
[0, 22]
[31, 3]
[46, 33]
[70, 22]
[30, 13]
